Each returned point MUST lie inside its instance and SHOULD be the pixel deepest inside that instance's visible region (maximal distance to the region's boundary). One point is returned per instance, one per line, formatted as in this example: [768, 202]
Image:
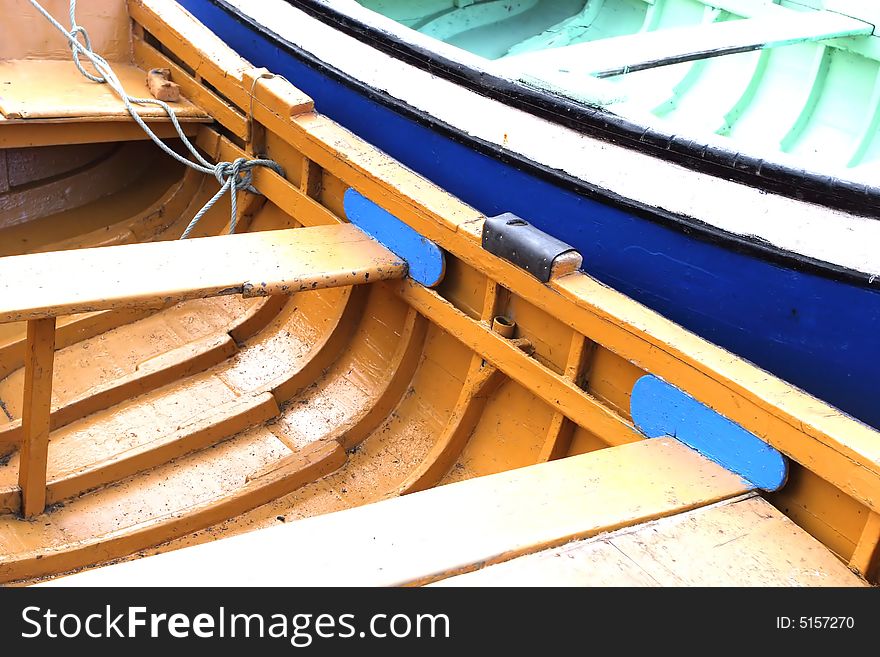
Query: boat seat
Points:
[741, 542]
[43, 102]
[430, 535]
[635, 52]
[39, 287]
[157, 273]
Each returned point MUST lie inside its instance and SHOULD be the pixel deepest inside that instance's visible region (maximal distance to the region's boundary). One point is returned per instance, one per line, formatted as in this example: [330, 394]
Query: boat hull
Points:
[810, 323]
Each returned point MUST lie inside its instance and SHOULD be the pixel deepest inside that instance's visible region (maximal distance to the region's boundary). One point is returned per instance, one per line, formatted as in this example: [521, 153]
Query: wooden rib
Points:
[560, 431]
[166, 368]
[653, 15]
[693, 72]
[748, 95]
[458, 527]
[228, 115]
[303, 467]
[257, 318]
[310, 178]
[872, 126]
[821, 64]
[866, 556]
[35, 418]
[559, 392]
[71, 330]
[481, 382]
[326, 351]
[402, 366]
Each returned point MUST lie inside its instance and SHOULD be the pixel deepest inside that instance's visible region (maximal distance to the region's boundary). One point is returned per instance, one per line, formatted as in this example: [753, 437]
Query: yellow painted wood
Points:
[39, 355]
[215, 62]
[402, 366]
[164, 369]
[429, 535]
[283, 193]
[561, 429]
[253, 264]
[53, 89]
[742, 542]
[25, 133]
[73, 468]
[28, 35]
[92, 529]
[70, 330]
[483, 380]
[867, 553]
[553, 388]
[147, 57]
[325, 350]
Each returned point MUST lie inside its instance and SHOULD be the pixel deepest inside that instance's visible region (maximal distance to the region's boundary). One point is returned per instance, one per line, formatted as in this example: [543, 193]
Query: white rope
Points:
[232, 176]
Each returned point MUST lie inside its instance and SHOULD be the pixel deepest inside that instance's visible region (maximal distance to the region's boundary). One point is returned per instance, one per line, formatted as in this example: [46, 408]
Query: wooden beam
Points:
[39, 359]
[25, 133]
[644, 50]
[426, 536]
[252, 264]
[739, 542]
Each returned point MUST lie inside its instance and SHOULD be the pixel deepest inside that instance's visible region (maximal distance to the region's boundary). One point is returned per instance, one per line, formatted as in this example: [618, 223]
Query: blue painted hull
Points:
[818, 332]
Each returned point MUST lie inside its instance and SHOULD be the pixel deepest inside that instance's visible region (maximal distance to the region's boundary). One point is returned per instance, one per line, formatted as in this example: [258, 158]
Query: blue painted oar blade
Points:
[659, 409]
[425, 259]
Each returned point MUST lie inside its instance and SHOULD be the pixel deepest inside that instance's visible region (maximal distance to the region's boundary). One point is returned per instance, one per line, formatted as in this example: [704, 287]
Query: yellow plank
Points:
[255, 264]
[39, 357]
[25, 133]
[745, 542]
[47, 89]
[426, 536]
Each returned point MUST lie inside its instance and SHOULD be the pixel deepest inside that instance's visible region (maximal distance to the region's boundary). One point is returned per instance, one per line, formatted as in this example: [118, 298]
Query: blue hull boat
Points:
[801, 303]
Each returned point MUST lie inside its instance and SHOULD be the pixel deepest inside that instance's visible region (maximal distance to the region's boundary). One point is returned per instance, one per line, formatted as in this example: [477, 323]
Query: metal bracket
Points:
[542, 255]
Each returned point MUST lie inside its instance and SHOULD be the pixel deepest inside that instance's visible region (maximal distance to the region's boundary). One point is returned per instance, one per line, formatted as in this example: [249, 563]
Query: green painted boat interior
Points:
[810, 92]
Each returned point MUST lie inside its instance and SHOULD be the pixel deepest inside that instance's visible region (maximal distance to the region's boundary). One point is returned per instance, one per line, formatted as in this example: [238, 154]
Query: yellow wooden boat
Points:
[362, 338]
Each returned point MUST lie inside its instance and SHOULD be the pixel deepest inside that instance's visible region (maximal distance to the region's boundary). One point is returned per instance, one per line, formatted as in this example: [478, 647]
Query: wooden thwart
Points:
[48, 89]
[614, 56]
[429, 535]
[253, 264]
[742, 542]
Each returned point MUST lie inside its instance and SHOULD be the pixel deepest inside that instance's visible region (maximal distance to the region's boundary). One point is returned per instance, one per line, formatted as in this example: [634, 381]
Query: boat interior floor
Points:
[653, 513]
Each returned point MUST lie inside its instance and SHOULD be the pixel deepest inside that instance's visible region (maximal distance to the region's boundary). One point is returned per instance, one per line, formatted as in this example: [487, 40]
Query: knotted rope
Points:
[232, 176]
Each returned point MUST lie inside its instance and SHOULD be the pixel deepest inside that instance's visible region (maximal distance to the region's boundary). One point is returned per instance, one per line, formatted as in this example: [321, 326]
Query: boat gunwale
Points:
[798, 184]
